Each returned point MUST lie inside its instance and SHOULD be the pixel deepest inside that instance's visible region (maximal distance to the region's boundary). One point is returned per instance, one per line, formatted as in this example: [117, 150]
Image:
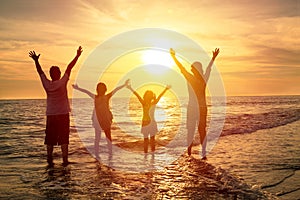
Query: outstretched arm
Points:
[161, 94]
[36, 61]
[135, 93]
[73, 62]
[172, 52]
[208, 69]
[119, 88]
[76, 87]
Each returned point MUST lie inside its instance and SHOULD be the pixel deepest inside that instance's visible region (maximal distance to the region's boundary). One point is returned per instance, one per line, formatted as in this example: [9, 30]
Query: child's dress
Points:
[149, 125]
[95, 121]
[103, 112]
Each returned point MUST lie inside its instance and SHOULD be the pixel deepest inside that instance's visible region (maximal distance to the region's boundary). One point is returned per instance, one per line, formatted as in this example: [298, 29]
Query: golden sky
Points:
[258, 40]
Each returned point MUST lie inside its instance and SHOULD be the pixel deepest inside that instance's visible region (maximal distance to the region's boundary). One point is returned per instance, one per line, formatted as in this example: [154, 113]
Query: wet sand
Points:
[186, 178]
[87, 178]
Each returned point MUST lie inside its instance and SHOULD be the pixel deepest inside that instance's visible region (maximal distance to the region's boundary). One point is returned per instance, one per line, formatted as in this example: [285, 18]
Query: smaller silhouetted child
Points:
[102, 116]
[149, 125]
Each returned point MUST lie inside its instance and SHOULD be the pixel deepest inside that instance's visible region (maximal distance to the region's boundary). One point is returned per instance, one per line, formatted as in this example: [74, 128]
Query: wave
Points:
[248, 123]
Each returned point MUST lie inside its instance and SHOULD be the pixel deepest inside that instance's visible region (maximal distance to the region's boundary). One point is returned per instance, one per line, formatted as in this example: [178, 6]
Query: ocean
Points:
[255, 156]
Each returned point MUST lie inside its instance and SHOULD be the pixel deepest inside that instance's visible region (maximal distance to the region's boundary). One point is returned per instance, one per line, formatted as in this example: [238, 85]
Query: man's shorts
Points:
[57, 129]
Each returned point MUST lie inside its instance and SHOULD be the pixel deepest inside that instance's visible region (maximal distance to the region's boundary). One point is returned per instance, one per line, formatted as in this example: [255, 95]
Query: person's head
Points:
[197, 68]
[101, 89]
[55, 73]
[149, 96]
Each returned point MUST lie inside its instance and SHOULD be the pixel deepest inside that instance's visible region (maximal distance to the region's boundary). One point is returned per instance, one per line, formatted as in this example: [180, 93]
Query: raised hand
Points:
[79, 51]
[75, 86]
[172, 52]
[73, 62]
[128, 86]
[127, 82]
[215, 53]
[33, 55]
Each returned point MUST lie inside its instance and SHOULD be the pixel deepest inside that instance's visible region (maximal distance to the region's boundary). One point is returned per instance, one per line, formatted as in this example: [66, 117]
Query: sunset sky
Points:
[258, 40]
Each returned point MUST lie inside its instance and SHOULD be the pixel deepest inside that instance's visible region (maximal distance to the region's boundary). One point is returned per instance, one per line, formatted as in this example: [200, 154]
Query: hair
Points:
[55, 73]
[149, 96]
[198, 67]
[101, 88]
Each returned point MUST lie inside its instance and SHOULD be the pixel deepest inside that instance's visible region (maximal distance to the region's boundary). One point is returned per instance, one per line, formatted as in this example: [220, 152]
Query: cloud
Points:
[248, 10]
[257, 39]
[276, 55]
[55, 11]
[105, 6]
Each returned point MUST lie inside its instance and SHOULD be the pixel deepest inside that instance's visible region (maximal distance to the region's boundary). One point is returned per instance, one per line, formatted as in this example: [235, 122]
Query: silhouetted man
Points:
[197, 109]
[58, 108]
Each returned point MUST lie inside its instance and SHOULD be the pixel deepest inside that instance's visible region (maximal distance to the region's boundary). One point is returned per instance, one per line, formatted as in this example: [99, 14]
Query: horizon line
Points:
[44, 98]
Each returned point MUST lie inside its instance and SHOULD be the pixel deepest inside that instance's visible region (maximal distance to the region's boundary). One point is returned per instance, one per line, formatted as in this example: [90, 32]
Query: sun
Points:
[157, 61]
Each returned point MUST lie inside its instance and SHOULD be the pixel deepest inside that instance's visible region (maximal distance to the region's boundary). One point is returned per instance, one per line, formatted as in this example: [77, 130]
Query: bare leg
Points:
[49, 154]
[192, 116]
[109, 140]
[204, 148]
[190, 134]
[64, 150]
[152, 143]
[202, 133]
[97, 141]
[146, 143]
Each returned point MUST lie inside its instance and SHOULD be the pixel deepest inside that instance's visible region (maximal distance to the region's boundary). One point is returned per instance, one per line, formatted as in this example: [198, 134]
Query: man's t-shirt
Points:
[57, 95]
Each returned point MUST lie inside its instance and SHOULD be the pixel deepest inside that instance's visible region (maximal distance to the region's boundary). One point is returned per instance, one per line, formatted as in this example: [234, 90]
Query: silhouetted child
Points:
[149, 125]
[102, 116]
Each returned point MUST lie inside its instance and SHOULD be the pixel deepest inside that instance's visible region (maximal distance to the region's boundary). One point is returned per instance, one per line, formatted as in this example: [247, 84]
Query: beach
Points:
[252, 159]
[86, 178]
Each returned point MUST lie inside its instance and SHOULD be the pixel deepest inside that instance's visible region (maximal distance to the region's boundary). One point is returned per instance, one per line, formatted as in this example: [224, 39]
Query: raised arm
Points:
[135, 93]
[208, 69]
[161, 94]
[73, 62]
[182, 69]
[35, 57]
[118, 88]
[76, 87]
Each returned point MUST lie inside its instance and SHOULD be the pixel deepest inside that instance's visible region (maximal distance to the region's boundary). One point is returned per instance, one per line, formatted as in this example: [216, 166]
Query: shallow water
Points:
[266, 158]
[28, 177]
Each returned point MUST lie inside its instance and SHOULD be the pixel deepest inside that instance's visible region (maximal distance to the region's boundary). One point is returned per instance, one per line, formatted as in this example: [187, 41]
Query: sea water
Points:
[259, 143]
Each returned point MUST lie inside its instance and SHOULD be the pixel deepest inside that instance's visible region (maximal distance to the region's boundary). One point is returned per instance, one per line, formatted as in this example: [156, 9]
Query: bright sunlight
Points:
[157, 61]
